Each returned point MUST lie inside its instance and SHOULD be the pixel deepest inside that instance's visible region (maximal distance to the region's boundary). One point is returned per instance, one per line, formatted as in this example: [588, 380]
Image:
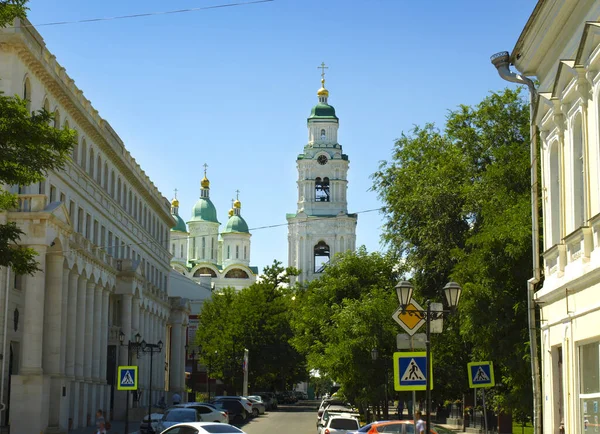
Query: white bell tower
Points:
[321, 227]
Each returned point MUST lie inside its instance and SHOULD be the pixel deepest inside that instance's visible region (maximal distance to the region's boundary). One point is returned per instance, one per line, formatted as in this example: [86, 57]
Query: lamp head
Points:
[452, 290]
[404, 291]
[121, 336]
[160, 345]
[138, 338]
[374, 354]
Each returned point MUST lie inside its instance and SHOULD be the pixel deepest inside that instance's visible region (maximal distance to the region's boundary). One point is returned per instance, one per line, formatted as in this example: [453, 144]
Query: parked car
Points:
[332, 410]
[392, 426]
[258, 407]
[339, 424]
[235, 409]
[207, 412]
[203, 428]
[175, 415]
[147, 427]
[245, 401]
[269, 399]
[301, 395]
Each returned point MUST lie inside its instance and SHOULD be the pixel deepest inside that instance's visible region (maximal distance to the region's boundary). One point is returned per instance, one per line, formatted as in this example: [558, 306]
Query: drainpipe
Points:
[502, 61]
[3, 349]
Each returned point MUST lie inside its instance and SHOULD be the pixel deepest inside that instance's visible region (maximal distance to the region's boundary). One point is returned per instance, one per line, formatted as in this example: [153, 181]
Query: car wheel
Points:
[255, 412]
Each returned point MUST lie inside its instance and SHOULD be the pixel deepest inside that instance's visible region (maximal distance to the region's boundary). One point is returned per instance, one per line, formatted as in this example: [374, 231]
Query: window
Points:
[555, 193]
[117, 246]
[75, 154]
[578, 175]
[181, 251]
[212, 248]
[321, 256]
[105, 180]
[110, 243]
[91, 163]
[99, 170]
[193, 252]
[18, 284]
[80, 221]
[173, 249]
[56, 119]
[84, 155]
[27, 92]
[203, 247]
[112, 184]
[71, 210]
[322, 189]
[119, 190]
[228, 252]
[103, 237]
[323, 135]
[205, 270]
[95, 234]
[245, 252]
[237, 252]
[88, 226]
[63, 198]
[589, 380]
[236, 273]
[52, 193]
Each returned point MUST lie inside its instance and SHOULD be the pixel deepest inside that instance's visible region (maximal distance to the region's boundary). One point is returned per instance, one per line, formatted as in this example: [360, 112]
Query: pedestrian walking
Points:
[419, 423]
[100, 423]
[400, 409]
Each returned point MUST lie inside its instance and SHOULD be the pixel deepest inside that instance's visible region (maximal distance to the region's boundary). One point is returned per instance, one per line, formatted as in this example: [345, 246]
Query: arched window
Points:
[236, 273]
[578, 175]
[99, 169]
[237, 252]
[228, 252]
[212, 248]
[105, 180]
[130, 203]
[321, 256]
[323, 135]
[27, 92]
[112, 184]
[83, 154]
[205, 270]
[75, 153]
[46, 105]
[245, 252]
[322, 189]
[173, 249]
[555, 193]
[342, 247]
[56, 119]
[119, 190]
[91, 163]
[181, 253]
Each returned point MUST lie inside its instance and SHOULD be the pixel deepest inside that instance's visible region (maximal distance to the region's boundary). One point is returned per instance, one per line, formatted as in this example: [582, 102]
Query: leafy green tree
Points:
[457, 208]
[345, 314]
[30, 147]
[257, 319]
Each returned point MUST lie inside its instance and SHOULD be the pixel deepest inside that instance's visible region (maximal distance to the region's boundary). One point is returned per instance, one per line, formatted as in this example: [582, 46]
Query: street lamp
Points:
[150, 349]
[131, 346]
[452, 291]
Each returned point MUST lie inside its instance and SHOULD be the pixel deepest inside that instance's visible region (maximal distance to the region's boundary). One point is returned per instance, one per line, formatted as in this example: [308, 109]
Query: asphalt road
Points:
[297, 419]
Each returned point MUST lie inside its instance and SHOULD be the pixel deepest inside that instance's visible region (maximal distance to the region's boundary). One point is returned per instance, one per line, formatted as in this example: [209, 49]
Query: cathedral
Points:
[321, 226]
[200, 252]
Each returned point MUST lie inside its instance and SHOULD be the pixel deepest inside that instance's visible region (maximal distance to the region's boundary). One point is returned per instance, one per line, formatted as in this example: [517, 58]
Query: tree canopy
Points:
[255, 318]
[30, 147]
[457, 207]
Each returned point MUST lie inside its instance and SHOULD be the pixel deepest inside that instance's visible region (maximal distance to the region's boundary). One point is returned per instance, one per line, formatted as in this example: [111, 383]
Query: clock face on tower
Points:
[322, 159]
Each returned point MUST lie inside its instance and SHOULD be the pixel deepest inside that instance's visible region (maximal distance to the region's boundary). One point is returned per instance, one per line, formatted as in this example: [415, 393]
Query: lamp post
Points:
[150, 349]
[131, 346]
[452, 291]
[374, 357]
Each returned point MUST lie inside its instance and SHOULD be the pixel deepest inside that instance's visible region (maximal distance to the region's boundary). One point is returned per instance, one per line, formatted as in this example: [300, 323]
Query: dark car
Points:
[234, 408]
[269, 399]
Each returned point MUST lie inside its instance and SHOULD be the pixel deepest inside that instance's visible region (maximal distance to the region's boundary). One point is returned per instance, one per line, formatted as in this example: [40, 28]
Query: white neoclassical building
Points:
[101, 230]
[560, 46]
[321, 226]
[217, 259]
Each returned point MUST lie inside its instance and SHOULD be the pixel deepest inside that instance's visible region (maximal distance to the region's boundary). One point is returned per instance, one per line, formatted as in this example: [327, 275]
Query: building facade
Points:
[101, 230]
[321, 226]
[560, 46]
[200, 251]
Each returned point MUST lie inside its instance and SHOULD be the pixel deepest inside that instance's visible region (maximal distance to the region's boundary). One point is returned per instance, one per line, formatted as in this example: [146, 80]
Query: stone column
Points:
[30, 389]
[85, 411]
[103, 352]
[135, 316]
[80, 332]
[71, 341]
[95, 350]
[33, 317]
[176, 360]
[64, 320]
[53, 314]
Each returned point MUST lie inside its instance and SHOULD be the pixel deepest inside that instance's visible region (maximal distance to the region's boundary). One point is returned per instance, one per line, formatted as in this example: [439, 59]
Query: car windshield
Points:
[180, 415]
[221, 428]
[343, 424]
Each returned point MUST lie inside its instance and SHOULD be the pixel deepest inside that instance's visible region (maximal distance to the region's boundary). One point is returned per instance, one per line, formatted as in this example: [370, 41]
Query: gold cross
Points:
[237, 194]
[205, 167]
[323, 68]
[176, 193]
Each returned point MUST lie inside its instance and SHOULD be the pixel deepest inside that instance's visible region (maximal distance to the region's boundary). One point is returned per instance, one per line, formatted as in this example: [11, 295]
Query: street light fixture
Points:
[131, 346]
[452, 291]
[374, 354]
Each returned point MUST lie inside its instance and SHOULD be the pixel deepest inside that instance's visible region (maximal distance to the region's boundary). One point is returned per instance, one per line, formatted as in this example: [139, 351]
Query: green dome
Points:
[236, 224]
[180, 226]
[322, 111]
[205, 211]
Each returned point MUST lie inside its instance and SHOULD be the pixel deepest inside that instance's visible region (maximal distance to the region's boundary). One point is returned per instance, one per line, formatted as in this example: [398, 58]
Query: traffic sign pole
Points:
[428, 368]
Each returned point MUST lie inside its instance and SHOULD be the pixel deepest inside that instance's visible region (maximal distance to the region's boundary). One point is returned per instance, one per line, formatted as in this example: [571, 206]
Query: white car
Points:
[207, 412]
[202, 428]
[339, 424]
[177, 415]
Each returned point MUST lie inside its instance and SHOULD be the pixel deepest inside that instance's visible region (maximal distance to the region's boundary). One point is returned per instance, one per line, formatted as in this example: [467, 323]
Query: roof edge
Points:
[532, 18]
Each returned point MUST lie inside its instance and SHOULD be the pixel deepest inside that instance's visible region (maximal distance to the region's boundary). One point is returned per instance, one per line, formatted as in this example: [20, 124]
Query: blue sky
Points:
[233, 87]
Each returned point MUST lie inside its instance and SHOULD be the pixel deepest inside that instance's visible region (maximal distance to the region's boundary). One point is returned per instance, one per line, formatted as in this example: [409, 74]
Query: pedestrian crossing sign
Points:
[410, 371]
[128, 378]
[481, 374]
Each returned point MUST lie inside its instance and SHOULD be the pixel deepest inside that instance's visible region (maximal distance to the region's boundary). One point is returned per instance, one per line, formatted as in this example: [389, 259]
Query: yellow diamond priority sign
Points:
[410, 322]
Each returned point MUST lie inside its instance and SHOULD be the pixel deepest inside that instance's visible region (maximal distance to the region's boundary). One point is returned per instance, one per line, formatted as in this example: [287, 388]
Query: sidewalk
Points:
[118, 427]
